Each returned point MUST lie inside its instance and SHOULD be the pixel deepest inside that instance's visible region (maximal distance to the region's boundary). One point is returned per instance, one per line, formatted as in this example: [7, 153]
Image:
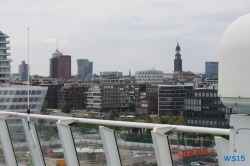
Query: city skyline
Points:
[123, 33]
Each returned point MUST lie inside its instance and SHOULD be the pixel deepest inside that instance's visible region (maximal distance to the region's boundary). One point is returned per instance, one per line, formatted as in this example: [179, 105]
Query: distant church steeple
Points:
[129, 74]
[177, 60]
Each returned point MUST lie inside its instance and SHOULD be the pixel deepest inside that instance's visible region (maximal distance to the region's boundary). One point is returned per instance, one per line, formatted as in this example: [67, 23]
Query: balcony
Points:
[102, 146]
[4, 48]
[7, 54]
[5, 42]
[6, 60]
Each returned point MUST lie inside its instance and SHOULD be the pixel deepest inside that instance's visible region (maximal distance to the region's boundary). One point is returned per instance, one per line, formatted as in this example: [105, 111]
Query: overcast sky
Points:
[118, 35]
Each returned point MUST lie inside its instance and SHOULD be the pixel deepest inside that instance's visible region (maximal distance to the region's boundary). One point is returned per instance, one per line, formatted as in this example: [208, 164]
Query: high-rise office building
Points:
[4, 62]
[211, 69]
[23, 70]
[60, 66]
[85, 67]
[177, 60]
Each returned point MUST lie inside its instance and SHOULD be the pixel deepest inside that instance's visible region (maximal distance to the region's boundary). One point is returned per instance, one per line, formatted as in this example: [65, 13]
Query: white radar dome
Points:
[234, 65]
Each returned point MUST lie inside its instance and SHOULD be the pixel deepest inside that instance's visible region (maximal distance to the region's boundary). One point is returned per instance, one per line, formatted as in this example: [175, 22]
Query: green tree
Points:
[190, 135]
[113, 113]
[137, 114]
[171, 121]
[66, 108]
[88, 109]
[148, 120]
[126, 112]
[181, 120]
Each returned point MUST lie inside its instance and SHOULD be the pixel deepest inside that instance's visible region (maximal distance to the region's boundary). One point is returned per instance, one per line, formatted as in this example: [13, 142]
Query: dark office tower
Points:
[60, 66]
[85, 67]
[178, 61]
[211, 69]
[23, 70]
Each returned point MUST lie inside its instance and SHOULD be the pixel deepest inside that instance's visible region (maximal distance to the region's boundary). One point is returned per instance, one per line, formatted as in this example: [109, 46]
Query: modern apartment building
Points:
[171, 98]
[60, 66]
[73, 95]
[85, 67]
[4, 61]
[211, 69]
[147, 104]
[203, 107]
[52, 93]
[24, 71]
[119, 97]
[149, 77]
[94, 97]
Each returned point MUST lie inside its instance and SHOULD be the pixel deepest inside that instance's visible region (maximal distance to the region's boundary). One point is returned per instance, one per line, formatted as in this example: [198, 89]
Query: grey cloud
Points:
[110, 42]
[161, 4]
[222, 16]
[138, 25]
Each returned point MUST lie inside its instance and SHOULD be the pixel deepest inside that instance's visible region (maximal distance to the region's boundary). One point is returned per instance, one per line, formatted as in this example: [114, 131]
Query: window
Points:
[12, 107]
[15, 100]
[36, 99]
[17, 107]
[195, 94]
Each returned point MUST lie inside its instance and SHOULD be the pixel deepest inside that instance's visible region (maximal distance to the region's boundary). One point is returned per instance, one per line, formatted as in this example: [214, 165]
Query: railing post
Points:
[161, 146]
[110, 146]
[33, 142]
[222, 148]
[67, 141]
[7, 146]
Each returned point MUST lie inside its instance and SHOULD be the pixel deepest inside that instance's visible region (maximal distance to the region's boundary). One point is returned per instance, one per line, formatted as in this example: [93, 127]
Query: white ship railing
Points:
[160, 141]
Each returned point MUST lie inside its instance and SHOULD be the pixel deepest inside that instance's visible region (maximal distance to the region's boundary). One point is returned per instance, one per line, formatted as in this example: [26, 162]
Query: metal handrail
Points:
[206, 130]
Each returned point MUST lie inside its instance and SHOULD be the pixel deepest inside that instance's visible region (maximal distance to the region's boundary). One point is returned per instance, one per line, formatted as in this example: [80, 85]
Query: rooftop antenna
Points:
[28, 109]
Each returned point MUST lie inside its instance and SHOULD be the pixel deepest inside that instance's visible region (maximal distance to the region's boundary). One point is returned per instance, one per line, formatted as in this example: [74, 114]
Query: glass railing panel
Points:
[19, 141]
[190, 151]
[135, 148]
[50, 142]
[2, 158]
[88, 145]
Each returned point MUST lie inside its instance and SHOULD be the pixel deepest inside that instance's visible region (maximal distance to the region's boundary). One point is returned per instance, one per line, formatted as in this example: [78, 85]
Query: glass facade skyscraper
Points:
[211, 69]
[4, 61]
[85, 67]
